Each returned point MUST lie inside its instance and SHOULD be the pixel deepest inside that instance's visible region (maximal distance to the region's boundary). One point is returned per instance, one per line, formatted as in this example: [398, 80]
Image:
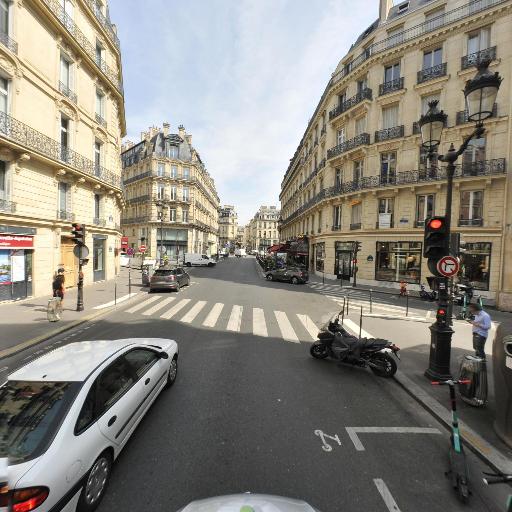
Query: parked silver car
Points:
[294, 275]
[168, 278]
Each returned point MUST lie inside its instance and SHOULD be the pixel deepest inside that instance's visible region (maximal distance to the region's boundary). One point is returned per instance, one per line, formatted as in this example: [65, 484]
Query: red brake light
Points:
[435, 223]
[25, 500]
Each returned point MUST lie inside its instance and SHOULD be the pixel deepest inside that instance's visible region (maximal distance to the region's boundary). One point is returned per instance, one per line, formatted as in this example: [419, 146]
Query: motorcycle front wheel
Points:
[385, 365]
[318, 351]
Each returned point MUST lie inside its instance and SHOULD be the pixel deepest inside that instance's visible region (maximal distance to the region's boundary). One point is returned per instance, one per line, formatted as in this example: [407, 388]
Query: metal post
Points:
[323, 277]
[361, 322]
[162, 238]
[407, 304]
[348, 302]
[371, 301]
[115, 292]
[130, 277]
[343, 311]
[80, 286]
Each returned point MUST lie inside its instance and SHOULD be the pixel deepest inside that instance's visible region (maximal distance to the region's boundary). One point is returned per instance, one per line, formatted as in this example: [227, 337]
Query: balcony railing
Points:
[321, 165]
[9, 42]
[7, 206]
[139, 199]
[138, 177]
[359, 140]
[393, 85]
[19, 133]
[100, 120]
[67, 22]
[430, 73]
[64, 89]
[135, 220]
[445, 19]
[471, 222]
[65, 215]
[104, 22]
[355, 225]
[365, 94]
[389, 133]
[97, 221]
[462, 115]
[474, 59]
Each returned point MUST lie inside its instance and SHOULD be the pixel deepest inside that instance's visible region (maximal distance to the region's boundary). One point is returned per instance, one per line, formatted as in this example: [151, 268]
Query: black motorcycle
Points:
[334, 341]
[425, 295]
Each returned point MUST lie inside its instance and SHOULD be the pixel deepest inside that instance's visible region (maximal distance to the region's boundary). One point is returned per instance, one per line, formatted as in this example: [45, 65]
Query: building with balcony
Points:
[241, 236]
[228, 227]
[263, 229]
[61, 122]
[171, 201]
[359, 173]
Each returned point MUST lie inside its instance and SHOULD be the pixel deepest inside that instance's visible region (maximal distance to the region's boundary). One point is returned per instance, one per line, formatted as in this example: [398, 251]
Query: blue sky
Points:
[242, 76]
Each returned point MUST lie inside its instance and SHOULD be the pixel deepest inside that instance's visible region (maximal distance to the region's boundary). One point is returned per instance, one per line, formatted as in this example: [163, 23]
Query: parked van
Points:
[239, 253]
[200, 260]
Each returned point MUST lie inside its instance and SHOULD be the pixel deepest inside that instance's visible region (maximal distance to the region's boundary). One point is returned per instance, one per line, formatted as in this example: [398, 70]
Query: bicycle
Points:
[458, 467]
[499, 478]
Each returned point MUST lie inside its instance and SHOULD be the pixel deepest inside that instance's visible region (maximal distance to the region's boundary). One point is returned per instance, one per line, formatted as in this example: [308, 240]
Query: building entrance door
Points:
[68, 262]
[344, 264]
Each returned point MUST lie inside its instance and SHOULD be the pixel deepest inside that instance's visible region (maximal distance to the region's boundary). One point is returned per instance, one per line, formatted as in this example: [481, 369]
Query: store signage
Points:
[16, 242]
[384, 220]
[124, 242]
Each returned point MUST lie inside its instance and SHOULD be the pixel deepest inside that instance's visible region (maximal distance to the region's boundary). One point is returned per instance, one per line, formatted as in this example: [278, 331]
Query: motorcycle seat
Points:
[374, 342]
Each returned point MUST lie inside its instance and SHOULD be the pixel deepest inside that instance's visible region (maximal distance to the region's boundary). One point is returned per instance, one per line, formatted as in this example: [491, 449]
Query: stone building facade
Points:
[263, 232]
[359, 173]
[228, 226]
[61, 122]
[171, 200]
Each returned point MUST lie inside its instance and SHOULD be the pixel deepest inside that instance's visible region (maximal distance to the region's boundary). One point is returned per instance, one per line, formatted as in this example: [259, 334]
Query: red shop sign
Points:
[124, 242]
[16, 242]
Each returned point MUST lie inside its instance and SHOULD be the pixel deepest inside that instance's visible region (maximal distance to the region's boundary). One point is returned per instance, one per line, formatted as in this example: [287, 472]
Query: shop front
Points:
[476, 264]
[398, 261]
[16, 255]
[98, 257]
[173, 243]
[343, 260]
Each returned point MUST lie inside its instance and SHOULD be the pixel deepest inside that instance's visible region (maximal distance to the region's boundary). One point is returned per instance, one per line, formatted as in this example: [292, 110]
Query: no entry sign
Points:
[448, 266]
[142, 248]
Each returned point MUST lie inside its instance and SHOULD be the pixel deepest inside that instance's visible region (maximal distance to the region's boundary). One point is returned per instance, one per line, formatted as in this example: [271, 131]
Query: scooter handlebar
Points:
[497, 479]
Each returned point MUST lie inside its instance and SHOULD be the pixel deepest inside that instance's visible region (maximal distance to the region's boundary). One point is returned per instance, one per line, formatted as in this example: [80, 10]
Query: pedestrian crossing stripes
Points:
[293, 328]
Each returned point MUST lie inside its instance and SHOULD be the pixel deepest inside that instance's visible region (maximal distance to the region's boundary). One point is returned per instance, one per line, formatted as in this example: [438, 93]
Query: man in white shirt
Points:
[481, 325]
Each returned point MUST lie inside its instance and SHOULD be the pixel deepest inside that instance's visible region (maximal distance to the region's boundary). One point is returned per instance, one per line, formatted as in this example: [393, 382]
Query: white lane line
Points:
[386, 495]
[235, 319]
[352, 326]
[429, 312]
[158, 306]
[259, 327]
[190, 316]
[285, 326]
[175, 309]
[213, 315]
[309, 325]
[358, 445]
[143, 304]
[114, 302]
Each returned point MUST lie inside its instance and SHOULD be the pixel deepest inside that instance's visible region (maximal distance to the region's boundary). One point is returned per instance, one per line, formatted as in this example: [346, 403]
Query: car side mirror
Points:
[163, 354]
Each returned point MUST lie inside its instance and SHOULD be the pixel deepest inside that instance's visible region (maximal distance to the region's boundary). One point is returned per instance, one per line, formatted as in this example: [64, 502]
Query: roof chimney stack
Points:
[384, 8]
[181, 131]
[166, 127]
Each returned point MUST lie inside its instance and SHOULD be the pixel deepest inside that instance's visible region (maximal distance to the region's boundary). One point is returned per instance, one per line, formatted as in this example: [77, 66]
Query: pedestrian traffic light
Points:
[436, 238]
[357, 246]
[78, 233]
[442, 315]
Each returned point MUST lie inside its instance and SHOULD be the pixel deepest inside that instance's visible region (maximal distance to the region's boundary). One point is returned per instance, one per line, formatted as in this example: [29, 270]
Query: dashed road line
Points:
[386, 495]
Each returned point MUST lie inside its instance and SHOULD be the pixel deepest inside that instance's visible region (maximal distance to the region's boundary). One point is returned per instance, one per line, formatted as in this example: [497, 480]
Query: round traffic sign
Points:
[142, 248]
[448, 266]
[81, 251]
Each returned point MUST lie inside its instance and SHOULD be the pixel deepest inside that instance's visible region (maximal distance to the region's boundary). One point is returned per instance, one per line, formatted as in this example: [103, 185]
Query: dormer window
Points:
[403, 7]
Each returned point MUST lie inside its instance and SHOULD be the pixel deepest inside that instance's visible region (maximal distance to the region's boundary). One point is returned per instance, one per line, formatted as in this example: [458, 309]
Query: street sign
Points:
[130, 251]
[124, 242]
[142, 248]
[448, 266]
[81, 251]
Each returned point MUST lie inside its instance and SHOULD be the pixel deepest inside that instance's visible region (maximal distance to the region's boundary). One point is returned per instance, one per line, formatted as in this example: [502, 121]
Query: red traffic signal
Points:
[436, 239]
[78, 233]
[436, 223]
[442, 314]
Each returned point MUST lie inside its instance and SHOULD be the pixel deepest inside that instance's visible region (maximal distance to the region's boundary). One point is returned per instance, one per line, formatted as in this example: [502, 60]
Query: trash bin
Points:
[502, 370]
[474, 369]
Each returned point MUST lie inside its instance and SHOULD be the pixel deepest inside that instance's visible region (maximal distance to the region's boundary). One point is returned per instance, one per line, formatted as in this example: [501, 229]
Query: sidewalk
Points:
[24, 323]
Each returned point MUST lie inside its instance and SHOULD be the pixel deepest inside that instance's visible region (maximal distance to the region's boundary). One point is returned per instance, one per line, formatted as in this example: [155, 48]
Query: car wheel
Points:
[95, 483]
[295, 280]
[270, 277]
[188, 264]
[172, 373]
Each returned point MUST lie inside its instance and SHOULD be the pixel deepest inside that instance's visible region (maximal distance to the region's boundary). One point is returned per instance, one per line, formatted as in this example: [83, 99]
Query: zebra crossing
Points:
[290, 327]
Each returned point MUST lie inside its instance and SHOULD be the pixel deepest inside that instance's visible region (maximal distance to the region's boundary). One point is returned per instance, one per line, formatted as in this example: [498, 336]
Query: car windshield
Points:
[165, 272]
[30, 414]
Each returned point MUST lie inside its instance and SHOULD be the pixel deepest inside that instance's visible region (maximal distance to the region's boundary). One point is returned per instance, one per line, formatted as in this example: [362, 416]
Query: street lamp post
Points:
[480, 94]
[160, 209]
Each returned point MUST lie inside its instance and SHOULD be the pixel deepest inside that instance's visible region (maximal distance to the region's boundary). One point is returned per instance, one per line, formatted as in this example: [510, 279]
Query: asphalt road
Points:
[254, 412]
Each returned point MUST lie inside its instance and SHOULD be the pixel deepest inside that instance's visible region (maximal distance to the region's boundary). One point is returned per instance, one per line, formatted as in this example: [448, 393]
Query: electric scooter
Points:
[458, 467]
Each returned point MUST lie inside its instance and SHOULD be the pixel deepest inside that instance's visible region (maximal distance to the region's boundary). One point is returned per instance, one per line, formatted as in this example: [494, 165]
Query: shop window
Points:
[319, 257]
[398, 261]
[475, 264]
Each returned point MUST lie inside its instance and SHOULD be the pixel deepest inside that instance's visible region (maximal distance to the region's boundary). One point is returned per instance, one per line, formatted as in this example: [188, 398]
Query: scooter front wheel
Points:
[383, 365]
[318, 351]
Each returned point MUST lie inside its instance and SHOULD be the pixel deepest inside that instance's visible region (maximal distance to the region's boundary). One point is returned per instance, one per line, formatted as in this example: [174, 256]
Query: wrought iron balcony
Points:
[67, 22]
[65, 215]
[474, 59]
[97, 221]
[355, 225]
[135, 220]
[430, 73]
[7, 206]
[104, 22]
[141, 176]
[100, 120]
[64, 89]
[462, 115]
[365, 94]
[359, 140]
[471, 222]
[321, 165]
[139, 199]
[389, 133]
[9, 42]
[393, 85]
[22, 134]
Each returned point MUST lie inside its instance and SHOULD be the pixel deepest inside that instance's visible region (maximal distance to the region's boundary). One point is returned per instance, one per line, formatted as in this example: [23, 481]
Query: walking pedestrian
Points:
[403, 288]
[58, 284]
[481, 324]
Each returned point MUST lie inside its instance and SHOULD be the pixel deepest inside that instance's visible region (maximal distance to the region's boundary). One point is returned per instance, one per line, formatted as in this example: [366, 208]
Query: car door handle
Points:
[146, 382]
[111, 421]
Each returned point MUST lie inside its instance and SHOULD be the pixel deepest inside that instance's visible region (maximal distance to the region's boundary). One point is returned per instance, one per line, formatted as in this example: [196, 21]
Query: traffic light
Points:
[442, 315]
[436, 240]
[357, 246]
[78, 233]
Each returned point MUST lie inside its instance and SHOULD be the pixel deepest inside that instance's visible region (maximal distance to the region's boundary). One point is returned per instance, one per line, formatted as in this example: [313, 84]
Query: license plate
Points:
[508, 362]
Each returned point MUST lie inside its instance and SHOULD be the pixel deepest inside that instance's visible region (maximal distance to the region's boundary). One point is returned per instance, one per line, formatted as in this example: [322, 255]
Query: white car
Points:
[67, 415]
